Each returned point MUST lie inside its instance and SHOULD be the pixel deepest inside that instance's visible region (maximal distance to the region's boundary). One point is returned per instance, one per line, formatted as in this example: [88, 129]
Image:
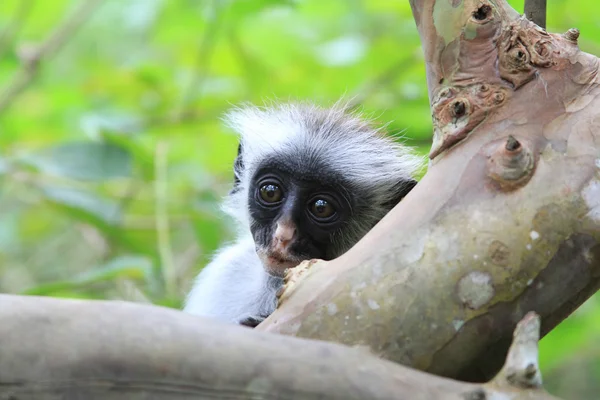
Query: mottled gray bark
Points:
[54, 349]
[506, 220]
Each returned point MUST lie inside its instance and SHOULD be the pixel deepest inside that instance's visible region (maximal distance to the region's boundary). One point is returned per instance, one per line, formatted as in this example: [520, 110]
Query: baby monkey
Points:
[309, 183]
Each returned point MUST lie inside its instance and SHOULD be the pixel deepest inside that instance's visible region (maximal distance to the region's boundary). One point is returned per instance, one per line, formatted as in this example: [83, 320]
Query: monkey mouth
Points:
[276, 259]
[276, 263]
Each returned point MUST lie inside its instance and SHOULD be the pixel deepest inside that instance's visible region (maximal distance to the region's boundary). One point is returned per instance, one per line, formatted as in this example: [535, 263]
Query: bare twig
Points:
[521, 369]
[383, 79]
[162, 218]
[535, 10]
[203, 56]
[184, 117]
[43, 52]
[251, 66]
[21, 13]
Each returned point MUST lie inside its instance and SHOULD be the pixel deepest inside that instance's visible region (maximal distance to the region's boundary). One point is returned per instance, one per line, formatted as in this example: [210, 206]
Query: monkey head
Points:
[297, 215]
[310, 182]
[301, 208]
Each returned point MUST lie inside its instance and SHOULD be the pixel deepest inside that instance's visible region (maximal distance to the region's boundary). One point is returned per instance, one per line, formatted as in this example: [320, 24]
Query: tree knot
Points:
[510, 163]
[457, 110]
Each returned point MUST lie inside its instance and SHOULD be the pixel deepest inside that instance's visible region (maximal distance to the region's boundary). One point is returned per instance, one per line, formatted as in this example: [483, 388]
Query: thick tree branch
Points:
[33, 58]
[506, 220]
[51, 348]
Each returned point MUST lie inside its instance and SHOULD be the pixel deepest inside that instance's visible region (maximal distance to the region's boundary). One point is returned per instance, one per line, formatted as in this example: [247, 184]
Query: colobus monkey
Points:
[309, 183]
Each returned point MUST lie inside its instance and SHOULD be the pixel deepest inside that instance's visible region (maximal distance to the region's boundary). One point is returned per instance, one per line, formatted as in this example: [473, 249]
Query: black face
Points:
[318, 207]
[302, 210]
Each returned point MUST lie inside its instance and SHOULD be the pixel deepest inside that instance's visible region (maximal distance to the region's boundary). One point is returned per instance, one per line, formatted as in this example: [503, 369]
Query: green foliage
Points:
[83, 161]
[113, 160]
[133, 268]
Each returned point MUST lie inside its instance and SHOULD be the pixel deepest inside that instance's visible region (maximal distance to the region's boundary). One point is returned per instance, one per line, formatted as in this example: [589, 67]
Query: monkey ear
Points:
[238, 168]
[402, 189]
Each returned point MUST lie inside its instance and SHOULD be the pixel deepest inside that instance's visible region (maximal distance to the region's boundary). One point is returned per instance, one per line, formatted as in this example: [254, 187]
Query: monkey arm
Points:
[226, 287]
[253, 322]
[233, 287]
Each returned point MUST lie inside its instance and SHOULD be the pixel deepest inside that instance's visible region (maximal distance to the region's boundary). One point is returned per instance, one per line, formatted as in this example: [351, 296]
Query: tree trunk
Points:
[506, 220]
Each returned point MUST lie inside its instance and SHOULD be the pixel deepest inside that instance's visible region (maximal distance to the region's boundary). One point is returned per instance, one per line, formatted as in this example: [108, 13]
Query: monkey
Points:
[309, 182]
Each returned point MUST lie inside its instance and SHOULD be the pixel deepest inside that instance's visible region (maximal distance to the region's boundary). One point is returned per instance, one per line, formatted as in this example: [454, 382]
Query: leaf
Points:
[84, 205]
[170, 302]
[246, 8]
[142, 158]
[3, 165]
[88, 161]
[128, 266]
[101, 213]
[94, 124]
[207, 222]
[76, 293]
[9, 232]
[124, 267]
[342, 51]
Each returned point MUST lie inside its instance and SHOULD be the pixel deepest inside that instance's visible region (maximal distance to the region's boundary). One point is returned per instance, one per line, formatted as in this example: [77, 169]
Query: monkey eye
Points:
[322, 209]
[270, 193]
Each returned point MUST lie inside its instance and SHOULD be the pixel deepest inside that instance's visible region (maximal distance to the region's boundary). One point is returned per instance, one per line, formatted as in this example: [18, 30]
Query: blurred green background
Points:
[113, 158]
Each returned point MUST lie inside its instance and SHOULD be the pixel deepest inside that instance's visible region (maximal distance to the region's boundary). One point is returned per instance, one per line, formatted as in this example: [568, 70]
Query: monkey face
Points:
[294, 218]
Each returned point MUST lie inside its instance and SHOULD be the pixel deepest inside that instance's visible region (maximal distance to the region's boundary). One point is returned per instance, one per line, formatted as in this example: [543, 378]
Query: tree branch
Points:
[383, 79]
[32, 59]
[203, 56]
[115, 350]
[163, 230]
[514, 225]
[21, 13]
[535, 10]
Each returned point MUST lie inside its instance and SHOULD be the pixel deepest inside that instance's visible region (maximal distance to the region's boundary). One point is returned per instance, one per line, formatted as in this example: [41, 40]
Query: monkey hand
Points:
[294, 276]
[253, 321]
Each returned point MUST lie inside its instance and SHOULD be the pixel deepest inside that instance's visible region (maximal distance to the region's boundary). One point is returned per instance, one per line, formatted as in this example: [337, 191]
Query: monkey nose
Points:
[284, 233]
[281, 244]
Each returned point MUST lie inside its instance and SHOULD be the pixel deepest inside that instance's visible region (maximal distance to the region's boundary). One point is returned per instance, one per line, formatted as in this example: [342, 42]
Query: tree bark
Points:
[506, 220]
[54, 349]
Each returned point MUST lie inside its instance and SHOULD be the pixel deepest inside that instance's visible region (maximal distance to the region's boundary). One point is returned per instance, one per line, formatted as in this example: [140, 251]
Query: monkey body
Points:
[309, 183]
[235, 286]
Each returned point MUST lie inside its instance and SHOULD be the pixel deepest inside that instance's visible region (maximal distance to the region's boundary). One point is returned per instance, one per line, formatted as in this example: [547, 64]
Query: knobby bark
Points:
[54, 349]
[505, 221]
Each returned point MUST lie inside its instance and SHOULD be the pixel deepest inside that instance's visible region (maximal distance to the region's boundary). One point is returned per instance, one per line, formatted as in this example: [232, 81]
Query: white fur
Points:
[361, 153]
[234, 285]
